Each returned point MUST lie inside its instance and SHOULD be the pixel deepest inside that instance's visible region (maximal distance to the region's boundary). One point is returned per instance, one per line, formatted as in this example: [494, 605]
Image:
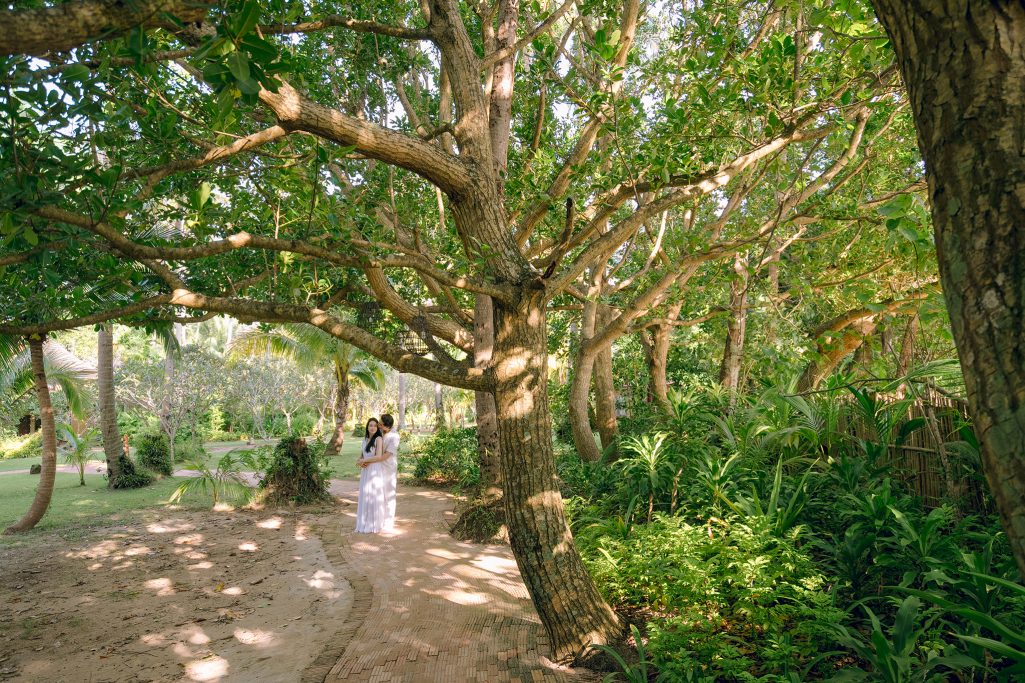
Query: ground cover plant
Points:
[779, 549]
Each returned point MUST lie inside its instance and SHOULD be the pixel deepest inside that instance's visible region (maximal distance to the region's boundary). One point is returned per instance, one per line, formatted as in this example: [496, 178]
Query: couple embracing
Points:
[379, 460]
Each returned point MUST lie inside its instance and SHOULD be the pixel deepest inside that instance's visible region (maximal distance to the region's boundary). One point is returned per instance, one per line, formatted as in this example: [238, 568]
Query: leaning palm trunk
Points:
[49, 465]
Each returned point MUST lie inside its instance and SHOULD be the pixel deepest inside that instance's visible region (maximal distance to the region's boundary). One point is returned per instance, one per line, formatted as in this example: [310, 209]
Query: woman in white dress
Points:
[372, 508]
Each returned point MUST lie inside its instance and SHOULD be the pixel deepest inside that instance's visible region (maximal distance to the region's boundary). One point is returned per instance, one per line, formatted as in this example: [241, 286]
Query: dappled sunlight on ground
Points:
[194, 596]
[440, 609]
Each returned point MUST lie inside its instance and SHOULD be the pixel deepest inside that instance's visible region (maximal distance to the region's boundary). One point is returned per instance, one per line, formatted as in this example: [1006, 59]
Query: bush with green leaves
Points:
[449, 457]
[29, 446]
[714, 586]
[790, 547]
[189, 450]
[298, 473]
[131, 423]
[153, 452]
[129, 476]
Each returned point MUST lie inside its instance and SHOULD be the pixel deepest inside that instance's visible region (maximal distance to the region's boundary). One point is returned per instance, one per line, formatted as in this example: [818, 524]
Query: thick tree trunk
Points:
[108, 413]
[341, 411]
[580, 390]
[44, 491]
[964, 66]
[569, 605]
[605, 393]
[661, 335]
[736, 330]
[487, 411]
[165, 405]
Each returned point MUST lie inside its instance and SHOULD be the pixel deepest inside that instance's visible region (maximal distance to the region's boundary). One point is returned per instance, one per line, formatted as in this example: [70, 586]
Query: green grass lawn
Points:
[343, 466]
[74, 506]
[18, 464]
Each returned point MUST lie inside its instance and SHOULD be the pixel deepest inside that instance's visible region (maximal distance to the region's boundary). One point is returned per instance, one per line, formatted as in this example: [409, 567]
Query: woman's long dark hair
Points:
[366, 434]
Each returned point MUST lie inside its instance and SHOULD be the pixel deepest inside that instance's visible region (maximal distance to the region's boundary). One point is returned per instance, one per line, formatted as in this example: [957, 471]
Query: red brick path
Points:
[429, 608]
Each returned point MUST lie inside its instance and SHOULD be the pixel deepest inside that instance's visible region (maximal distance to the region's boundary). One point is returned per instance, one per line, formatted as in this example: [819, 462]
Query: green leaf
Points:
[77, 72]
[201, 196]
[30, 236]
[246, 20]
[137, 42]
[238, 65]
[259, 49]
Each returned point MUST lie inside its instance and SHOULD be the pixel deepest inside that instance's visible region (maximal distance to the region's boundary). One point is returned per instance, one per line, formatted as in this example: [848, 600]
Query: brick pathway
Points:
[429, 608]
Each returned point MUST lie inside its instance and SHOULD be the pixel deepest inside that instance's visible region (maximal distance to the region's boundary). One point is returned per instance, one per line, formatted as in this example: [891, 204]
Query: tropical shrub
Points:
[129, 476]
[449, 457]
[188, 451]
[714, 586]
[154, 452]
[226, 481]
[297, 473]
[77, 450]
[29, 446]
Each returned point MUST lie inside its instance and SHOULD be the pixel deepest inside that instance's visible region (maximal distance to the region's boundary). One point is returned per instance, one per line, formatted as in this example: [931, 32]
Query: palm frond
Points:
[64, 370]
[164, 332]
[368, 373]
[278, 342]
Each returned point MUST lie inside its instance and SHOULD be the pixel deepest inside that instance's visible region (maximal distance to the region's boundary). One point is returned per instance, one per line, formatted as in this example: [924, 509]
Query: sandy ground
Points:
[175, 596]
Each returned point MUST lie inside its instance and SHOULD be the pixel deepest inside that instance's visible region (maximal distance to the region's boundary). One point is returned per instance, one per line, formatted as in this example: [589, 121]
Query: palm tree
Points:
[105, 395]
[44, 491]
[79, 446]
[311, 347]
[65, 372]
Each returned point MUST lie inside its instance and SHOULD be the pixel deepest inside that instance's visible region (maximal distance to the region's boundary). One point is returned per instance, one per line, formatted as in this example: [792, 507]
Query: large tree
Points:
[468, 168]
[963, 62]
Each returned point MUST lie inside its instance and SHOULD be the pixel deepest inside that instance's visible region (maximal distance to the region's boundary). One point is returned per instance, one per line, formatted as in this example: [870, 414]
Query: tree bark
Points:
[580, 389]
[341, 411]
[605, 393]
[907, 346]
[570, 607]
[165, 404]
[661, 335]
[832, 354]
[736, 330]
[108, 412]
[39, 31]
[487, 412]
[964, 66]
[439, 409]
[44, 491]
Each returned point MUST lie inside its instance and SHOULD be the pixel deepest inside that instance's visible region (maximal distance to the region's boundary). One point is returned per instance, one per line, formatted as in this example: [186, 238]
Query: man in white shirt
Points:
[391, 463]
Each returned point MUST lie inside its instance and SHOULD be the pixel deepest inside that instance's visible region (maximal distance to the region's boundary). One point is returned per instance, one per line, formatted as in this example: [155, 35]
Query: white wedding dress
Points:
[375, 511]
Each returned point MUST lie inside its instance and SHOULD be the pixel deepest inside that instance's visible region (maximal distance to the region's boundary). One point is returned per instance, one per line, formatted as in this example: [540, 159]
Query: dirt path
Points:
[177, 596]
[274, 596]
[430, 608]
